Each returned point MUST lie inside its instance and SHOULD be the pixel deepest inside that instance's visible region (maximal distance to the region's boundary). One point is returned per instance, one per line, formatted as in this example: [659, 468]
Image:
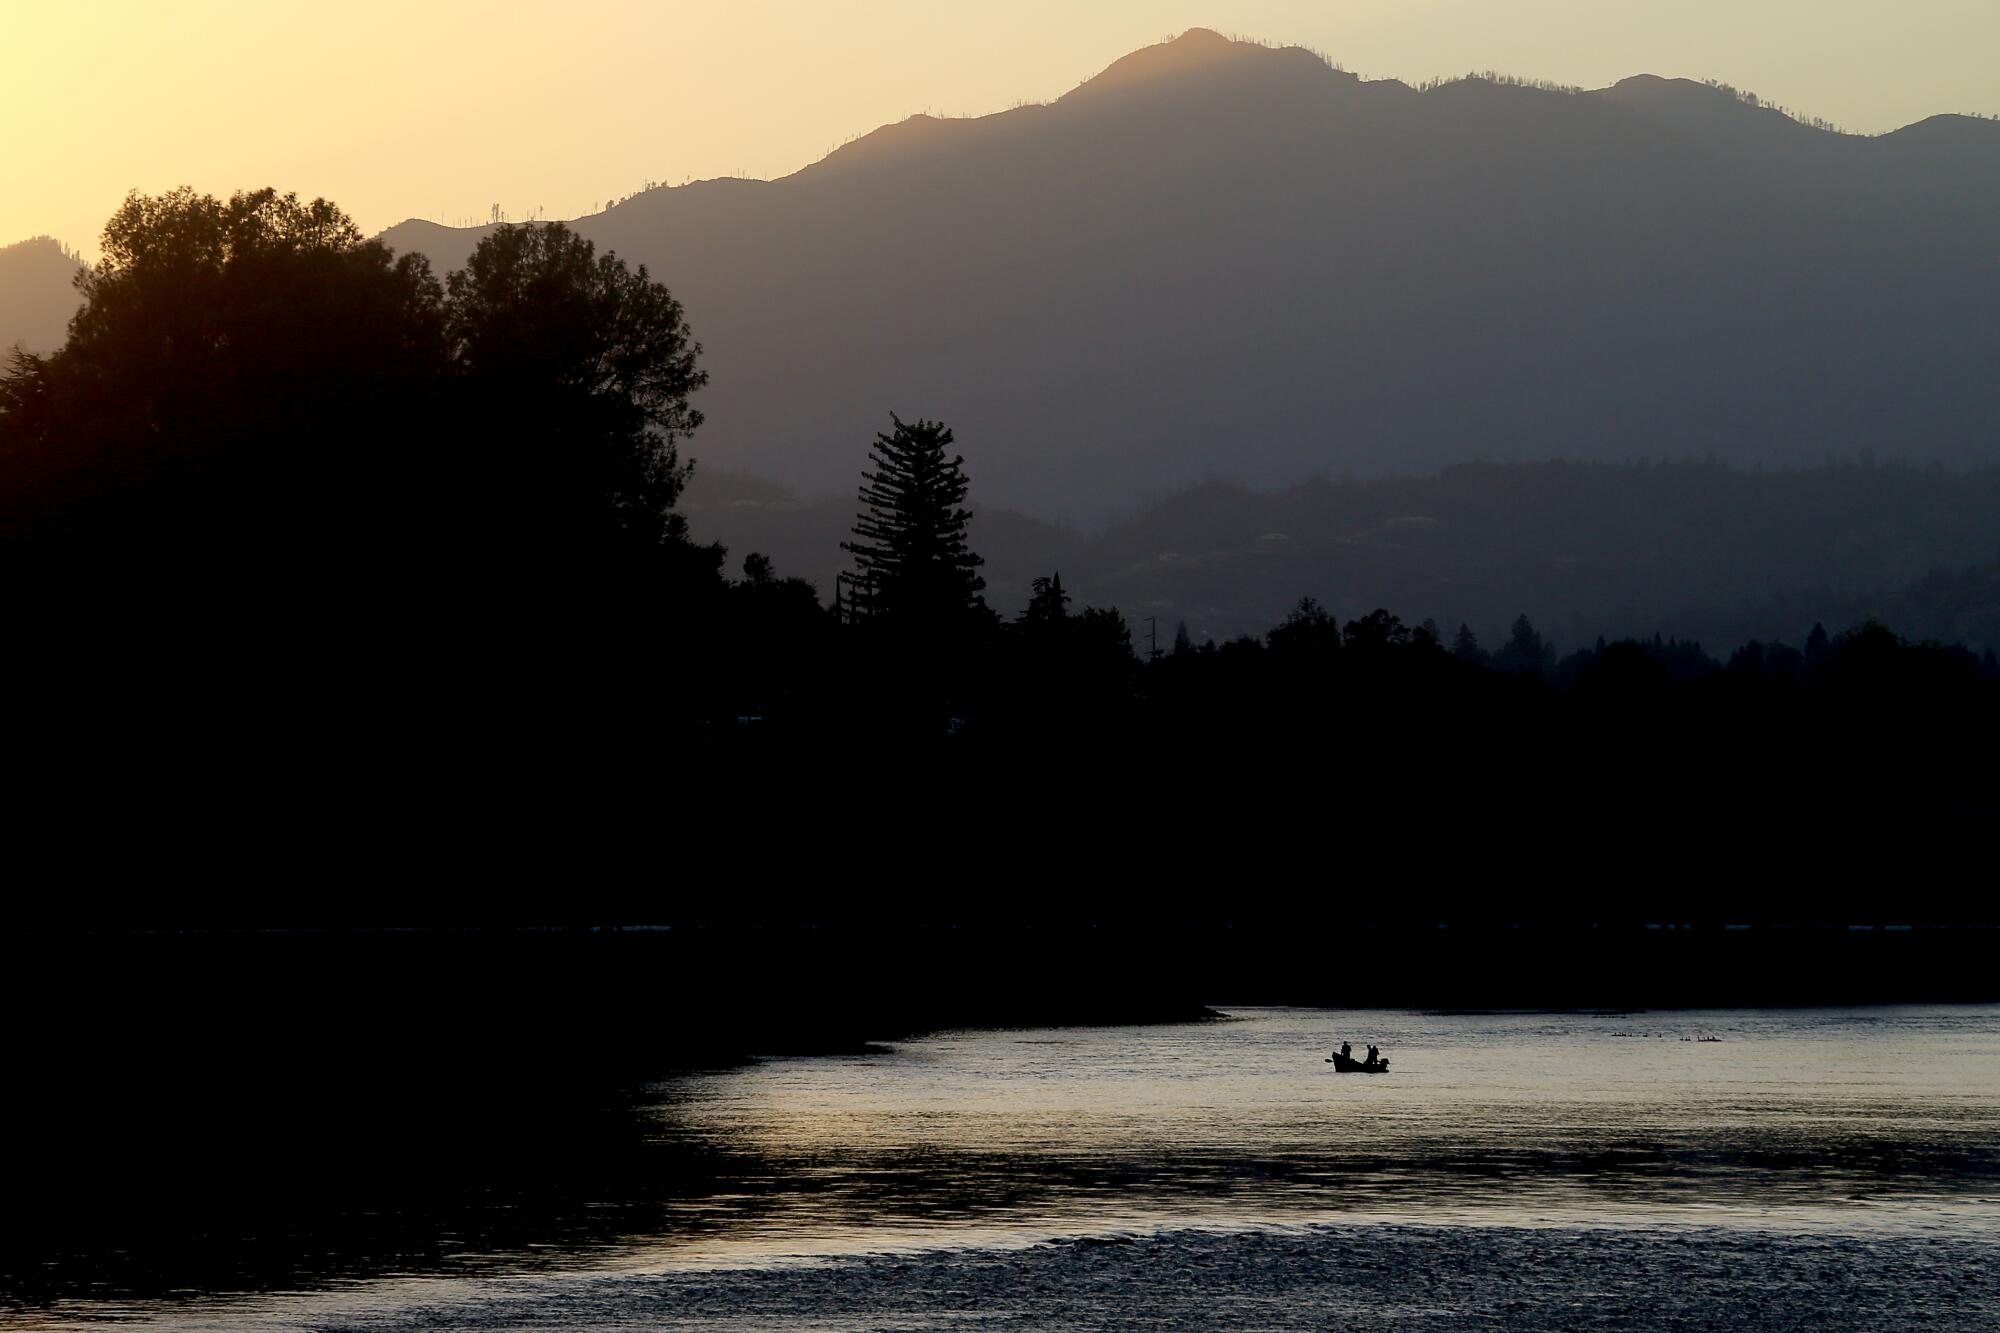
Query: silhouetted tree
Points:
[220, 501]
[913, 570]
[579, 370]
[1183, 644]
[1465, 646]
[1307, 633]
[1105, 635]
[1375, 631]
[275, 441]
[1048, 604]
[1749, 660]
[24, 392]
[1524, 651]
[246, 385]
[1060, 670]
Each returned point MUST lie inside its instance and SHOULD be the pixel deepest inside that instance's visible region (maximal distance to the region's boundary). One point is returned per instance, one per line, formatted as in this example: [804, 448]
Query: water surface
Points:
[1214, 1167]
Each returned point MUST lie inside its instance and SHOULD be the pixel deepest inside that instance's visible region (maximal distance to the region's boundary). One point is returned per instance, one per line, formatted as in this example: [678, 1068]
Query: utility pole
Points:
[1152, 638]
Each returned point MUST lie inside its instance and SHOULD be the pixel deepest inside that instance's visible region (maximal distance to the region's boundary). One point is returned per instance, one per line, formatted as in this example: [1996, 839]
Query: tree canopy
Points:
[253, 387]
[269, 438]
[912, 565]
[579, 371]
[239, 379]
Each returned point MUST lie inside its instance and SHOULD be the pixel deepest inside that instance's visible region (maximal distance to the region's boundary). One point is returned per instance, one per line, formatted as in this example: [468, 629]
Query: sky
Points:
[446, 109]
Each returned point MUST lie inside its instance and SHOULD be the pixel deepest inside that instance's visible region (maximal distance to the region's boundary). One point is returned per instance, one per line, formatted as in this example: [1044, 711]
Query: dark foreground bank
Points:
[634, 999]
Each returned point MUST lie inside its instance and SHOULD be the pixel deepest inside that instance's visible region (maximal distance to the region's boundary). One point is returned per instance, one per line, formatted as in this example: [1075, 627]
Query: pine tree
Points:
[1525, 649]
[1048, 604]
[1183, 644]
[912, 568]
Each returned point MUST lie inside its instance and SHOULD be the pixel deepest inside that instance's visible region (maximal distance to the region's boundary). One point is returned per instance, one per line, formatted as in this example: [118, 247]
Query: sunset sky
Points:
[444, 108]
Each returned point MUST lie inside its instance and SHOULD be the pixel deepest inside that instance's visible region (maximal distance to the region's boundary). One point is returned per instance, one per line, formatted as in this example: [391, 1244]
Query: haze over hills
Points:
[1221, 259]
[37, 294]
[1694, 550]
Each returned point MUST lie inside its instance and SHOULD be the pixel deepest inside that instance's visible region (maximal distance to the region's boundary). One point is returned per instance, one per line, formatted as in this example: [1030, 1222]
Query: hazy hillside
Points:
[1219, 259]
[1694, 549]
[36, 295]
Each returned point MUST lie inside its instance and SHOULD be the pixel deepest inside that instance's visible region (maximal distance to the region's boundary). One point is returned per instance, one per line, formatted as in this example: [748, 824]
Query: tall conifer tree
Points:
[1048, 604]
[912, 568]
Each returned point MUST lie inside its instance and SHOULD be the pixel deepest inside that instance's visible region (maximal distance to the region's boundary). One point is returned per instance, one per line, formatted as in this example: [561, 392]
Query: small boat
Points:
[1344, 1064]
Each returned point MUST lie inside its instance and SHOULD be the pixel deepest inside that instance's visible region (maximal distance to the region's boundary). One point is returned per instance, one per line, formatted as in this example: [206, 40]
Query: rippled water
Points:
[1222, 1173]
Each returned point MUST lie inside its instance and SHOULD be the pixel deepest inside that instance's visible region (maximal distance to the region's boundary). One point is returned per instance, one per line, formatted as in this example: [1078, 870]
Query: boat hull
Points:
[1347, 1065]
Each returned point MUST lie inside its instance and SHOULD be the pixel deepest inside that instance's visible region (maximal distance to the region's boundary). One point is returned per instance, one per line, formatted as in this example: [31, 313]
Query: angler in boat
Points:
[1343, 1061]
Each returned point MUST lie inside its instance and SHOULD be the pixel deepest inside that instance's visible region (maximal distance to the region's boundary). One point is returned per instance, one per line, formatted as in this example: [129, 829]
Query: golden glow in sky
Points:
[445, 108]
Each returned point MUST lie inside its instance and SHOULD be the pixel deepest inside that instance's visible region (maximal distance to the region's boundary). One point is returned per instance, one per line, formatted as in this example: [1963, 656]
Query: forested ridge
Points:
[306, 543]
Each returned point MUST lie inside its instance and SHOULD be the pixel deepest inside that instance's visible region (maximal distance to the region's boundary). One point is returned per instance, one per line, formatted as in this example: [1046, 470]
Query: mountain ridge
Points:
[37, 293]
[1142, 66]
[1221, 258]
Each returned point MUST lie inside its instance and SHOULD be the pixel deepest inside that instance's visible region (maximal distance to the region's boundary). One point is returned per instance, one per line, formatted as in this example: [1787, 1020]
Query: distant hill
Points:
[37, 295]
[1697, 550]
[1221, 259]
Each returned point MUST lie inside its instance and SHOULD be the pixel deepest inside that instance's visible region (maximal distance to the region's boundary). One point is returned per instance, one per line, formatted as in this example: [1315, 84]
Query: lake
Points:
[1744, 1169]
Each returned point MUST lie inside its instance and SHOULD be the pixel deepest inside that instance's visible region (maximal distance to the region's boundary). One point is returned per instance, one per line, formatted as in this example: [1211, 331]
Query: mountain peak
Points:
[41, 246]
[1653, 85]
[1200, 59]
[1198, 53]
[1716, 107]
[1651, 90]
[37, 293]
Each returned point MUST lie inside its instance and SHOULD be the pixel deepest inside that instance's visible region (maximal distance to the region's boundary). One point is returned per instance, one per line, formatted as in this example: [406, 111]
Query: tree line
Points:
[284, 499]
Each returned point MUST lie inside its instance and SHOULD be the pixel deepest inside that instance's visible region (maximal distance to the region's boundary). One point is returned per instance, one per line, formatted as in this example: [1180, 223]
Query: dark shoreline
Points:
[710, 989]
